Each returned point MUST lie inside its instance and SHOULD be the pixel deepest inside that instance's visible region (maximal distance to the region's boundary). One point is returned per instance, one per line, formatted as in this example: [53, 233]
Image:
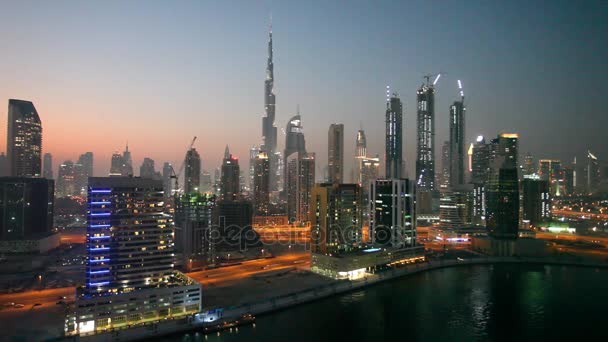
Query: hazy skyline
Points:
[156, 73]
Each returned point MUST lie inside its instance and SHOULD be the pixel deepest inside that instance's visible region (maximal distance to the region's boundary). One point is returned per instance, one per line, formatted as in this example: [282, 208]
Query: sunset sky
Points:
[157, 73]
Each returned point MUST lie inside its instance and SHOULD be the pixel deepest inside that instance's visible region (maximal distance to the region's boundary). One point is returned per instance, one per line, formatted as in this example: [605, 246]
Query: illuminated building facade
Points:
[455, 208]
[335, 153]
[393, 213]
[299, 183]
[193, 229]
[130, 278]
[26, 207]
[230, 178]
[425, 147]
[444, 177]
[335, 217]
[536, 199]
[261, 184]
[394, 137]
[24, 139]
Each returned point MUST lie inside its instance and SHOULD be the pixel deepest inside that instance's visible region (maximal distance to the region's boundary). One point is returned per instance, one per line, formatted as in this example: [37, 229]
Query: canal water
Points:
[469, 303]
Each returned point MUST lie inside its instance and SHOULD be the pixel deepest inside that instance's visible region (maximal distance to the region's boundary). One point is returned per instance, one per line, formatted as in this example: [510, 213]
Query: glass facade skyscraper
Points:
[24, 139]
[394, 137]
[425, 147]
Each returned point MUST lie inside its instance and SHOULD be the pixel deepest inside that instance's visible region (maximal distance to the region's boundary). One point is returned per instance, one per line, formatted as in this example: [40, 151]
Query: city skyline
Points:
[170, 89]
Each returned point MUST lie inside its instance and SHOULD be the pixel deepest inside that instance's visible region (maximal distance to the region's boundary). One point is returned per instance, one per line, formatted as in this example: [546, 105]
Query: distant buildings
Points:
[335, 153]
[67, 184]
[192, 171]
[47, 170]
[455, 208]
[146, 170]
[129, 271]
[24, 139]
[394, 137]
[336, 215]
[592, 172]
[230, 185]
[121, 164]
[253, 153]
[444, 177]
[167, 180]
[86, 160]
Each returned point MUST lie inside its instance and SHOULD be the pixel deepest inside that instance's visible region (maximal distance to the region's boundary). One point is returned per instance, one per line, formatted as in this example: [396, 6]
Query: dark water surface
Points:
[469, 303]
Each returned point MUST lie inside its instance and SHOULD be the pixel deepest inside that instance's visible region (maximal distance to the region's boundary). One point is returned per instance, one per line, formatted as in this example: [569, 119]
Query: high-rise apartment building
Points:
[457, 145]
[230, 185]
[335, 153]
[24, 139]
[392, 207]
[425, 146]
[192, 171]
[300, 181]
[394, 137]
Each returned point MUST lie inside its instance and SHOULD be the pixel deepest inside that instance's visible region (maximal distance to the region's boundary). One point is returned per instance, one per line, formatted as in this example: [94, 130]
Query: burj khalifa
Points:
[269, 131]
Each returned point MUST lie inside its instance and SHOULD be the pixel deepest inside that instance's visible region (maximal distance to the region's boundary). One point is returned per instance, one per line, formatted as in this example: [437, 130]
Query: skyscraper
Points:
[335, 153]
[425, 147]
[230, 186]
[130, 259]
[294, 136]
[480, 161]
[445, 166]
[269, 131]
[592, 172]
[299, 183]
[506, 146]
[457, 146]
[167, 181]
[536, 199]
[253, 153]
[394, 136]
[26, 207]
[192, 171]
[361, 144]
[146, 170]
[529, 167]
[86, 160]
[47, 170]
[502, 196]
[393, 213]
[116, 166]
[127, 166]
[335, 217]
[24, 139]
[261, 184]
[4, 167]
[66, 180]
[455, 208]
[193, 226]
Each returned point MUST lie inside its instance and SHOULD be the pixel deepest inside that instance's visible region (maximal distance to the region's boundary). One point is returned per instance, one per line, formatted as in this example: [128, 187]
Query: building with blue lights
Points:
[130, 276]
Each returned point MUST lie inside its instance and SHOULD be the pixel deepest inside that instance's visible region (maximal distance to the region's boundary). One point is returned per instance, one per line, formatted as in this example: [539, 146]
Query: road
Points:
[218, 277]
[580, 214]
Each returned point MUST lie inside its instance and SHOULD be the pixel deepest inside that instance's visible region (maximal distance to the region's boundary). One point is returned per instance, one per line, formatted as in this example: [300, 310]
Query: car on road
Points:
[37, 304]
[18, 306]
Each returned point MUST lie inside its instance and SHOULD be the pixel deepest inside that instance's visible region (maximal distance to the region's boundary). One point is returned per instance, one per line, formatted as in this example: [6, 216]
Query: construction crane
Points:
[175, 175]
[436, 76]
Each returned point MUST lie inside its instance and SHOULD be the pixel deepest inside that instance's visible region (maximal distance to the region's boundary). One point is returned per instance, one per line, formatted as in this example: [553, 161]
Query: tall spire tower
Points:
[269, 131]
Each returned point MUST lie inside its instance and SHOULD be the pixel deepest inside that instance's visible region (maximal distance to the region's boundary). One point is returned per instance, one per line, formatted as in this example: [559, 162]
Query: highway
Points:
[222, 276]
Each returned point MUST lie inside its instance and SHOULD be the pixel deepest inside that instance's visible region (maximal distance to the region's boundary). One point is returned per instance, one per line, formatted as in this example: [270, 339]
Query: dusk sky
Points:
[157, 73]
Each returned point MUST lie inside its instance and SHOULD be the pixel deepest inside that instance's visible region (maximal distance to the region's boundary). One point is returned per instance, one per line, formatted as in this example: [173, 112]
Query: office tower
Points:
[299, 183]
[552, 171]
[47, 166]
[230, 188]
[233, 219]
[127, 162]
[536, 199]
[502, 196]
[335, 217]
[192, 171]
[261, 184]
[457, 147]
[167, 180]
[4, 169]
[393, 213]
[592, 173]
[269, 131]
[206, 182]
[66, 180]
[116, 166]
[129, 271]
[146, 170]
[26, 207]
[86, 160]
[335, 153]
[369, 172]
[445, 165]
[80, 179]
[253, 153]
[425, 137]
[24, 139]
[361, 144]
[193, 226]
[394, 136]
[529, 167]
[294, 137]
[506, 146]
[480, 161]
[455, 207]
[569, 184]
